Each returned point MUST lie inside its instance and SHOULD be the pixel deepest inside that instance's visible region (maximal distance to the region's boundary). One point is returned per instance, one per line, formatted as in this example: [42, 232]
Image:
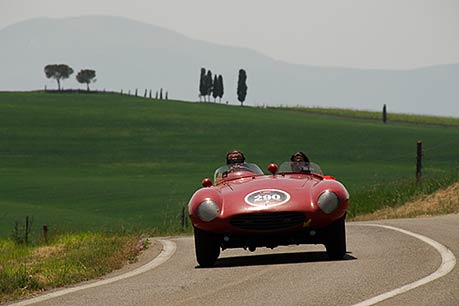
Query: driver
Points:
[235, 161]
[299, 162]
[235, 157]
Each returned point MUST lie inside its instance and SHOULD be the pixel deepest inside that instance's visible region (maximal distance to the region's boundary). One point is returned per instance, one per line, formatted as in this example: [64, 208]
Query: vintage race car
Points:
[244, 208]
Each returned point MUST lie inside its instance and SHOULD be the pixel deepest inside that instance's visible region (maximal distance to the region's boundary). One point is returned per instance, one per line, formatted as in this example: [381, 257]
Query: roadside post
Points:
[418, 161]
[45, 233]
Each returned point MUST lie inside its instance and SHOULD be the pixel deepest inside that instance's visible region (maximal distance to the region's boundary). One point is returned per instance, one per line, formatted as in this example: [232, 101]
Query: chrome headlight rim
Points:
[207, 210]
[328, 201]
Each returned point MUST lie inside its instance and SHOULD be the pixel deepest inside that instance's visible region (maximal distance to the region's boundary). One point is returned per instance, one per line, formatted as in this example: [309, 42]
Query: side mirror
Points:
[206, 182]
[272, 168]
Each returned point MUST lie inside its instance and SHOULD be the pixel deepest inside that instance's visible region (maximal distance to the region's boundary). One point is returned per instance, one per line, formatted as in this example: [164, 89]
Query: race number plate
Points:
[267, 197]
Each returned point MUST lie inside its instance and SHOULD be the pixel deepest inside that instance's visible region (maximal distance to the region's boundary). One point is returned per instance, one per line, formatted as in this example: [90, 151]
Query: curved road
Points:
[380, 259]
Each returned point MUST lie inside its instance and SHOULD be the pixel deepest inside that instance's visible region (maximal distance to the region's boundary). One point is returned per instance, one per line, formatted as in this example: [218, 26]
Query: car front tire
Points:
[207, 247]
[336, 240]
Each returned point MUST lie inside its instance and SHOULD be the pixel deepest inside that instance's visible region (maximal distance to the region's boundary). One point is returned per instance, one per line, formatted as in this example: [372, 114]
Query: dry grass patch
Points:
[444, 201]
[43, 252]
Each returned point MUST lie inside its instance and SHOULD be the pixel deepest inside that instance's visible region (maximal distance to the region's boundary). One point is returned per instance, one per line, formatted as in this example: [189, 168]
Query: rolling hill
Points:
[127, 55]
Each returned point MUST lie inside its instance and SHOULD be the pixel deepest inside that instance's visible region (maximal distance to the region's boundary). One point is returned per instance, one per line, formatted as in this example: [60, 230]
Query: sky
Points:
[382, 34]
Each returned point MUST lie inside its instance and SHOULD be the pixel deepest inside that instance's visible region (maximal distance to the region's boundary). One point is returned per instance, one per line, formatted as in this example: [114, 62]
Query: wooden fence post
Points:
[182, 218]
[45, 233]
[26, 234]
[418, 161]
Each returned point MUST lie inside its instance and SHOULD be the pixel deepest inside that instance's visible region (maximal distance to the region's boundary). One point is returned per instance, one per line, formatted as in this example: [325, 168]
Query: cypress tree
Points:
[384, 114]
[216, 88]
[202, 84]
[242, 86]
[209, 84]
[220, 87]
[161, 94]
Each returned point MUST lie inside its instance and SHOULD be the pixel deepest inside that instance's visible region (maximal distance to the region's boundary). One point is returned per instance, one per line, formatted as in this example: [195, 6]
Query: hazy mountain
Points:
[127, 54]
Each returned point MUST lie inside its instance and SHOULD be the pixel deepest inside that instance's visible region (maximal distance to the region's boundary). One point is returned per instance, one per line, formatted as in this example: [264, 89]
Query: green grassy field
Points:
[81, 162]
[369, 115]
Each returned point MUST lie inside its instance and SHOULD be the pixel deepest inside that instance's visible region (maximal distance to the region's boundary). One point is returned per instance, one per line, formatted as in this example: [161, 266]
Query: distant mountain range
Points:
[127, 54]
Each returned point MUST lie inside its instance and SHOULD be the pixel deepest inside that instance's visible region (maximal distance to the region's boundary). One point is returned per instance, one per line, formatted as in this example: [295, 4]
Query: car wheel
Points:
[336, 240]
[207, 247]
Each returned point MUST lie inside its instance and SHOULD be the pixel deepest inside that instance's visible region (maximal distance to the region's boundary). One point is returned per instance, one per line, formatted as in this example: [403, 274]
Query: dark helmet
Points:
[305, 158]
[235, 157]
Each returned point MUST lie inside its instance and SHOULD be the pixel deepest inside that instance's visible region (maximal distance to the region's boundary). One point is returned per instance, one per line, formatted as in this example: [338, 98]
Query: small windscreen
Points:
[235, 171]
[300, 167]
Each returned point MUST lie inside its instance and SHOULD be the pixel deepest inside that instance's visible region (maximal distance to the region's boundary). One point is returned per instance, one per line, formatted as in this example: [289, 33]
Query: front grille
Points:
[268, 221]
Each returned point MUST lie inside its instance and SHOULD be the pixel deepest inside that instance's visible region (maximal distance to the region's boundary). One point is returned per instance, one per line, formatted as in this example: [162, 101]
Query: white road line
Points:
[168, 250]
[448, 261]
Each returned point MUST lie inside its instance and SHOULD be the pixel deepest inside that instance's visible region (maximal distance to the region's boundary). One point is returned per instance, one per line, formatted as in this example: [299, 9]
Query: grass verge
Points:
[442, 202]
[68, 259]
[406, 199]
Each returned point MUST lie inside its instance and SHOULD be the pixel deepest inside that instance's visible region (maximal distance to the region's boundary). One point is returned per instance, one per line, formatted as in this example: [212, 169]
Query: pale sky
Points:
[388, 34]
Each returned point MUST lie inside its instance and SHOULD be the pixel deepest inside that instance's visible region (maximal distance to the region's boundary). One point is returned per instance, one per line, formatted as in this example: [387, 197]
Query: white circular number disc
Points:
[267, 197]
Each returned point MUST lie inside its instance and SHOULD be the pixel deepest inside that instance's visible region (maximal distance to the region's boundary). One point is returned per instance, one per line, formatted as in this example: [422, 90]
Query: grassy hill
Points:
[111, 162]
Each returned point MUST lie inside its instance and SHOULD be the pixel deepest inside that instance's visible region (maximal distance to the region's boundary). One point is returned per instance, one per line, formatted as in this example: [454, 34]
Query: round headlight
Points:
[328, 202]
[208, 210]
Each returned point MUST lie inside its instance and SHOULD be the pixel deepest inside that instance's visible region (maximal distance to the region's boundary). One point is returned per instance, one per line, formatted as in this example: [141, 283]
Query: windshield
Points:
[235, 171]
[300, 167]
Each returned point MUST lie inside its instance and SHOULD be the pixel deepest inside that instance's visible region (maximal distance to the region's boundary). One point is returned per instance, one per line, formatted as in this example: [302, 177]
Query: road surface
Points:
[381, 261]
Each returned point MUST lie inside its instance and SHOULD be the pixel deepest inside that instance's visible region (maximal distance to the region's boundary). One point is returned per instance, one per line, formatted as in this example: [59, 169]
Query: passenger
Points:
[300, 162]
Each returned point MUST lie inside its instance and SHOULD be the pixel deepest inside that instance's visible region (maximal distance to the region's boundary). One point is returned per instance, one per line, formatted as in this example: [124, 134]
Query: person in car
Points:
[235, 161]
[299, 162]
[235, 157]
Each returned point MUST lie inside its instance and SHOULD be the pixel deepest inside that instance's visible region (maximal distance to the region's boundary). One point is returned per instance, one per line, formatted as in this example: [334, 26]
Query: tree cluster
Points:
[160, 96]
[61, 72]
[210, 86]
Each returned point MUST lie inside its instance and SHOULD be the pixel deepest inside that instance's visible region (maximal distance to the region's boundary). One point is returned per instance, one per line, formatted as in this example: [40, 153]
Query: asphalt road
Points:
[380, 260]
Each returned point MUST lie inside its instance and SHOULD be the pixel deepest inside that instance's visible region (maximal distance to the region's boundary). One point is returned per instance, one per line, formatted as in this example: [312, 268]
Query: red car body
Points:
[245, 208]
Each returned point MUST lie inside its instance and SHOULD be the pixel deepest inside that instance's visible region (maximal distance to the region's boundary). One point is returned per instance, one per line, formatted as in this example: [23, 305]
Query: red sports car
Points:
[245, 208]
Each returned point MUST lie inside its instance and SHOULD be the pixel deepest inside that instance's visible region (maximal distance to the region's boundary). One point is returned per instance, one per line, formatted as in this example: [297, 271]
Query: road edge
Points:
[448, 262]
[168, 250]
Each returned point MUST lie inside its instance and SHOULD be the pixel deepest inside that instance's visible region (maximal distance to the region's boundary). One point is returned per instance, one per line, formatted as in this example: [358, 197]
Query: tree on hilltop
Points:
[384, 110]
[202, 84]
[221, 90]
[58, 72]
[216, 88]
[209, 84]
[86, 76]
[242, 86]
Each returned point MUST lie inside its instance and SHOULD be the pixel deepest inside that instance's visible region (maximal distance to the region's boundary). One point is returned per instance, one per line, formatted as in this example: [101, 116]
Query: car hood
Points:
[297, 187]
